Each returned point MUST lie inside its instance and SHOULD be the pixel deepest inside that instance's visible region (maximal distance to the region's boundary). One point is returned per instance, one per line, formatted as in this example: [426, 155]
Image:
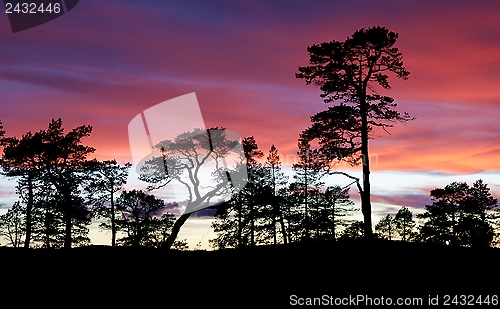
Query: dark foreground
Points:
[260, 277]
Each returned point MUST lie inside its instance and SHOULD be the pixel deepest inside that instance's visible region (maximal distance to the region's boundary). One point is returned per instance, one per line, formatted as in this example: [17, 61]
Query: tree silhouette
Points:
[480, 200]
[442, 216]
[12, 224]
[385, 227]
[66, 168]
[140, 219]
[183, 160]
[458, 215]
[22, 159]
[348, 73]
[333, 208]
[354, 231]
[109, 179]
[159, 229]
[477, 224]
[404, 223]
[229, 225]
[307, 185]
[277, 179]
[48, 219]
[254, 192]
[248, 216]
[237, 220]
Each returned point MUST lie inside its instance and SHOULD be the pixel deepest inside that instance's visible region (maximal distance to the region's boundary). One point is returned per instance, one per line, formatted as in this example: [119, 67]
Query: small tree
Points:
[459, 215]
[12, 224]
[48, 220]
[385, 227]
[442, 216]
[277, 180]
[307, 185]
[404, 223]
[22, 159]
[477, 223]
[354, 231]
[227, 225]
[159, 229]
[236, 220]
[480, 201]
[140, 218]
[109, 179]
[334, 209]
[347, 73]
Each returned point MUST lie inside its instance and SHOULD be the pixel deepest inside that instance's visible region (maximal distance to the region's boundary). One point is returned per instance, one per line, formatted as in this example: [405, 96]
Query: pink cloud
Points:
[110, 61]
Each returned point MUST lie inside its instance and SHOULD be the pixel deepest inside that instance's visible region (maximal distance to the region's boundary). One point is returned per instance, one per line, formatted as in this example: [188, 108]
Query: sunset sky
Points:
[108, 60]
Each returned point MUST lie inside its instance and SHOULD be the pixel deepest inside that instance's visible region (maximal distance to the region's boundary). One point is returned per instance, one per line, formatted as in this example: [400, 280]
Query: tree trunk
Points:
[67, 230]
[274, 211]
[288, 218]
[113, 227]
[175, 230]
[29, 208]
[333, 222]
[306, 215]
[283, 228]
[453, 225]
[137, 233]
[240, 228]
[275, 238]
[67, 220]
[365, 196]
[279, 213]
[47, 228]
[252, 225]
[252, 221]
[404, 229]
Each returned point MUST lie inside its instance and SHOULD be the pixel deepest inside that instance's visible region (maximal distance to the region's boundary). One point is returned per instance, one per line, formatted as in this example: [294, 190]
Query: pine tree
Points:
[347, 73]
[57, 162]
[65, 167]
[307, 185]
[339, 208]
[276, 180]
[385, 227]
[354, 231]
[459, 215]
[12, 224]
[22, 159]
[404, 223]
[139, 218]
[237, 220]
[109, 178]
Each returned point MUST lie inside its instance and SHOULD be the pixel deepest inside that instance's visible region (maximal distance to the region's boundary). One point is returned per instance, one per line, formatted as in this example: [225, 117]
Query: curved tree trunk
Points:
[175, 230]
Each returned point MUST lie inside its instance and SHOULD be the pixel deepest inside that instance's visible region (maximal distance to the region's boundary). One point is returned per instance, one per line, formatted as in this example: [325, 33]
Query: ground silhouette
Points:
[259, 276]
